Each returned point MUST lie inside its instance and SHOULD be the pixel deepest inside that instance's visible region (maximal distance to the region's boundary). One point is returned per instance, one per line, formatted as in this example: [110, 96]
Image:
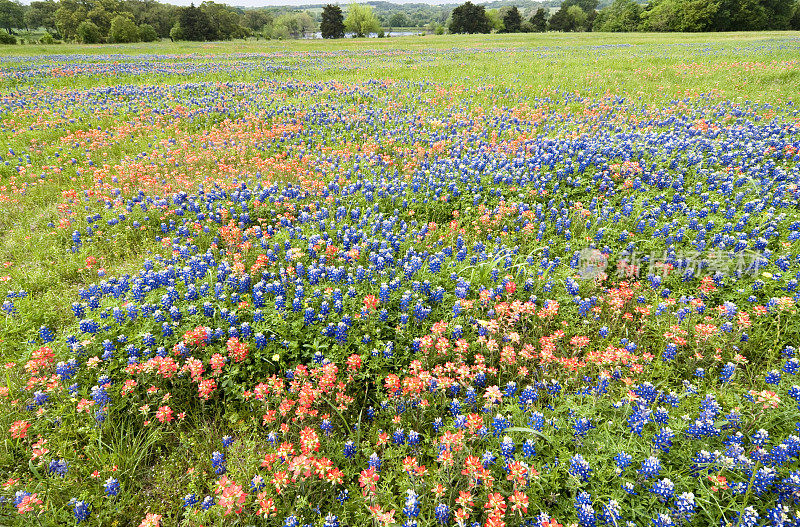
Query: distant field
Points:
[522, 280]
[760, 65]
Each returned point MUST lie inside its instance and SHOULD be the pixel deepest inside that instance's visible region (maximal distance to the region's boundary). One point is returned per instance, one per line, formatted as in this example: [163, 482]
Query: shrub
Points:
[6, 38]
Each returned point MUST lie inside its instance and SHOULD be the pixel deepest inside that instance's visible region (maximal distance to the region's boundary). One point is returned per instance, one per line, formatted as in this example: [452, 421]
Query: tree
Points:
[361, 20]
[622, 15]
[495, 20]
[332, 25]
[42, 14]
[566, 20]
[794, 22]
[193, 24]
[293, 25]
[147, 33]
[68, 16]
[224, 20]
[176, 33]
[101, 18]
[512, 21]
[162, 17]
[256, 19]
[12, 15]
[539, 20]
[469, 18]
[123, 30]
[89, 33]
[399, 20]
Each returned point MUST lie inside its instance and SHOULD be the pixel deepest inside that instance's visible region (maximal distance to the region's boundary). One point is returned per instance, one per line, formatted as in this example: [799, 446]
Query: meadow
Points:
[492, 280]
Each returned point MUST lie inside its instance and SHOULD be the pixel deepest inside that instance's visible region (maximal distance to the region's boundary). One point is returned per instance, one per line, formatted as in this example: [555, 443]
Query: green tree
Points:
[332, 25]
[469, 18]
[162, 17]
[794, 22]
[570, 18]
[293, 25]
[42, 14]
[621, 16]
[589, 8]
[539, 20]
[123, 30]
[194, 25]
[176, 33]
[101, 18]
[698, 15]
[256, 19]
[147, 33]
[224, 20]
[399, 20]
[12, 15]
[495, 20]
[89, 33]
[512, 20]
[68, 16]
[361, 20]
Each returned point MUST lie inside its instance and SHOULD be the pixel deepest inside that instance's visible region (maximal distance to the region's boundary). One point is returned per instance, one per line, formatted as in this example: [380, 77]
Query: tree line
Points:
[97, 21]
[628, 15]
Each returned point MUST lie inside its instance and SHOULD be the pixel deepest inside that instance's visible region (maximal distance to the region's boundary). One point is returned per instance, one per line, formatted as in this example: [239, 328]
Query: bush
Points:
[89, 33]
[147, 33]
[6, 38]
[47, 39]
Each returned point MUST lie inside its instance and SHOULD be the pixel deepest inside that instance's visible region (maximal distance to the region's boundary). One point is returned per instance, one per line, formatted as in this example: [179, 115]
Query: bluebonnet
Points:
[80, 510]
[442, 513]
[111, 486]
[219, 463]
[580, 468]
[651, 467]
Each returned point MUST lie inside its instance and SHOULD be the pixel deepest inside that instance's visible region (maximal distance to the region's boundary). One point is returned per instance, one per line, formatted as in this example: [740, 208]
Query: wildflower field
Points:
[457, 281]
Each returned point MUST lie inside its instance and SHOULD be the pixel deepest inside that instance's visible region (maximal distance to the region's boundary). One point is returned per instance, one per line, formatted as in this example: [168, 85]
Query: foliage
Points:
[469, 18]
[361, 20]
[716, 15]
[224, 21]
[7, 39]
[332, 25]
[620, 16]
[147, 33]
[89, 33]
[538, 20]
[194, 24]
[495, 20]
[12, 15]
[123, 30]
[512, 20]
[41, 14]
[571, 18]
